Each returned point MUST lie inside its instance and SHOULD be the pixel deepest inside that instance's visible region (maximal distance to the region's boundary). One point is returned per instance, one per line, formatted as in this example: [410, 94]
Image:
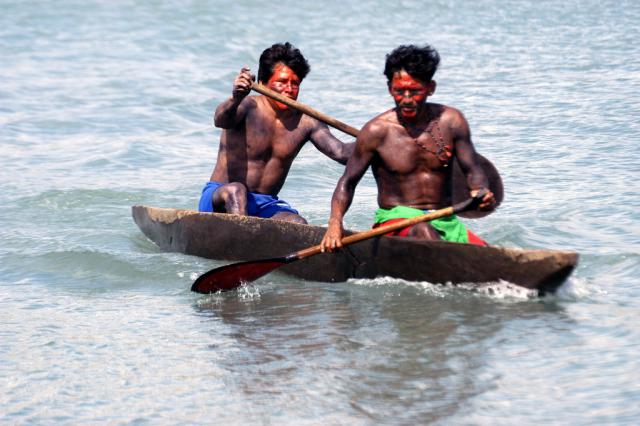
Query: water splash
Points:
[579, 288]
[248, 292]
[499, 290]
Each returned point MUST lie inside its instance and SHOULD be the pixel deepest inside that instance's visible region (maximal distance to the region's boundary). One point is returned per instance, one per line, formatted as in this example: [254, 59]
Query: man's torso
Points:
[260, 150]
[412, 165]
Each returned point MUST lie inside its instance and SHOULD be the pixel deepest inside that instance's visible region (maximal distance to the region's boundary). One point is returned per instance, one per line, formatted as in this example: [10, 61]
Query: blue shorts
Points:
[259, 205]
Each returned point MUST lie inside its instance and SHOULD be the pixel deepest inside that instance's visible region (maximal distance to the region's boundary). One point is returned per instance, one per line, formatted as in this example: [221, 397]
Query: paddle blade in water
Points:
[230, 277]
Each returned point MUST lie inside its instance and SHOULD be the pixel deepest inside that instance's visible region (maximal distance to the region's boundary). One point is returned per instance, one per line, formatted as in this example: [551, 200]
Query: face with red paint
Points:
[284, 81]
[409, 93]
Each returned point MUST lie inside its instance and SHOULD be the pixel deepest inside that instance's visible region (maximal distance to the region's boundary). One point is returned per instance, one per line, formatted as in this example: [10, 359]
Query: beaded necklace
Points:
[443, 152]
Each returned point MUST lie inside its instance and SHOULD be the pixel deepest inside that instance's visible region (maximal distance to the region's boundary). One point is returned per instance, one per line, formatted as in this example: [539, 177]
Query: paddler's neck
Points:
[422, 117]
[278, 110]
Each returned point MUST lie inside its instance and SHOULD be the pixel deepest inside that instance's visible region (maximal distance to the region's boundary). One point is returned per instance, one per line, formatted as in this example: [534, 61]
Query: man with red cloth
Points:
[411, 149]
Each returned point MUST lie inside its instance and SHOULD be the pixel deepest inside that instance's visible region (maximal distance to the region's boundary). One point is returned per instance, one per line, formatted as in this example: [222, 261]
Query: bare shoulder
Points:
[256, 102]
[378, 127]
[453, 118]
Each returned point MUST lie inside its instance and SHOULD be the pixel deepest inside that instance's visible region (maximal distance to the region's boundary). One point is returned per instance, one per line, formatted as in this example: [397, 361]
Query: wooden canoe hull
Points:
[231, 237]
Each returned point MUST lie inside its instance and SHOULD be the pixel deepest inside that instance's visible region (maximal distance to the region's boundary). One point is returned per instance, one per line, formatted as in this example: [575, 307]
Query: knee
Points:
[424, 231]
[231, 198]
[233, 191]
[298, 219]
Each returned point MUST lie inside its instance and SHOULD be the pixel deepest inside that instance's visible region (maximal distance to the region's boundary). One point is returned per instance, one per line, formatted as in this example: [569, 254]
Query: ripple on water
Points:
[109, 104]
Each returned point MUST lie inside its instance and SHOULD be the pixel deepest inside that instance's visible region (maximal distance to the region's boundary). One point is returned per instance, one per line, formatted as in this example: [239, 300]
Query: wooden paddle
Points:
[260, 88]
[459, 188]
[231, 276]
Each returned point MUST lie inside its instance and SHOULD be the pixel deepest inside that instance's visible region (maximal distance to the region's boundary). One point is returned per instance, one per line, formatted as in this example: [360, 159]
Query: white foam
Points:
[501, 290]
[578, 288]
[210, 300]
[498, 290]
[248, 292]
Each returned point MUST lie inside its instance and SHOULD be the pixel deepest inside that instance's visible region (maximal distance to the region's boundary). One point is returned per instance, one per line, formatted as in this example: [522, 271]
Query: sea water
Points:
[107, 104]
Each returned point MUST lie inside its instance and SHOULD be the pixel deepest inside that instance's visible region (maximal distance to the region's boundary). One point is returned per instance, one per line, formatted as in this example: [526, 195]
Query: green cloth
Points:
[449, 227]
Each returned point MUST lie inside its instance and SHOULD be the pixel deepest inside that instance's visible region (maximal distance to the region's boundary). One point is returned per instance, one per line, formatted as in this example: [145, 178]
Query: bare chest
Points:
[265, 140]
[423, 150]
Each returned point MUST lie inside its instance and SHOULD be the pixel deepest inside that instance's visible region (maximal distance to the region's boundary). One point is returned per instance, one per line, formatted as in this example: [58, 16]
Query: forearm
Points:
[347, 150]
[340, 152]
[477, 179]
[329, 145]
[360, 155]
[469, 161]
[341, 200]
[227, 114]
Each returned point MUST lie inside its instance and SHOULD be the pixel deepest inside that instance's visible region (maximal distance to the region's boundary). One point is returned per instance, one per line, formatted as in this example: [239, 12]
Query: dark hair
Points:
[419, 62]
[285, 53]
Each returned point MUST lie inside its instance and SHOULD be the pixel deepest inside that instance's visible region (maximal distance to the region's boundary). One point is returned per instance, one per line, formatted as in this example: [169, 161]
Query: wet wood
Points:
[234, 238]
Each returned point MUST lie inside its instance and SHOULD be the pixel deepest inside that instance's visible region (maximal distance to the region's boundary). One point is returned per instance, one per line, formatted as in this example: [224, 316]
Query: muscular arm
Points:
[232, 111]
[365, 148]
[329, 145]
[468, 158]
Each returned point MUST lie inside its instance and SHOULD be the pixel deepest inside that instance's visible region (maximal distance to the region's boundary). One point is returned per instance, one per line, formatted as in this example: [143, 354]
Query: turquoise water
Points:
[109, 104]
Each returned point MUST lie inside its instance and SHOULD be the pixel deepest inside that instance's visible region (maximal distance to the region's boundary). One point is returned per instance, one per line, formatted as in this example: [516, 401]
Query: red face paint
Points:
[284, 81]
[409, 93]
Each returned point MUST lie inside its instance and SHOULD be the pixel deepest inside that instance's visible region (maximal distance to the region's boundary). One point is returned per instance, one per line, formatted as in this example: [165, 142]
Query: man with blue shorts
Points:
[260, 139]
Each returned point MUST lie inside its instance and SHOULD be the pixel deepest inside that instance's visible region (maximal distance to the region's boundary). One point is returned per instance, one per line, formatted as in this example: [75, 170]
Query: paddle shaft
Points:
[260, 88]
[469, 204]
[351, 239]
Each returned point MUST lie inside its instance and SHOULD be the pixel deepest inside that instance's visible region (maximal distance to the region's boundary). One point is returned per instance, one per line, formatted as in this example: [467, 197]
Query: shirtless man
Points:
[261, 138]
[410, 149]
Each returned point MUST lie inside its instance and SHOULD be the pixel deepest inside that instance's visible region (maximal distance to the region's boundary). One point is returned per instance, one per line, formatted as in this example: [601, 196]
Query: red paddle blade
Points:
[230, 277]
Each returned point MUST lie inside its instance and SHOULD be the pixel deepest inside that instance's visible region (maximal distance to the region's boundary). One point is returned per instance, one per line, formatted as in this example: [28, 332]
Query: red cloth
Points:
[473, 238]
[398, 233]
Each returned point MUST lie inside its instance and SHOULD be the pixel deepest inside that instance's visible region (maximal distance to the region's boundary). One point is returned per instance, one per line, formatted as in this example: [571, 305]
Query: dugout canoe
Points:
[236, 238]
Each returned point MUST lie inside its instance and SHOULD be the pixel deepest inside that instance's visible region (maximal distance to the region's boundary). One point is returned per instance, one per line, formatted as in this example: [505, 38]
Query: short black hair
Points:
[419, 62]
[285, 53]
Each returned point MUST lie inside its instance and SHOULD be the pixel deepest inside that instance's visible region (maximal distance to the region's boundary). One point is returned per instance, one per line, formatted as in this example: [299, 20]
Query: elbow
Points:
[218, 120]
[347, 150]
[339, 157]
[221, 123]
[346, 185]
